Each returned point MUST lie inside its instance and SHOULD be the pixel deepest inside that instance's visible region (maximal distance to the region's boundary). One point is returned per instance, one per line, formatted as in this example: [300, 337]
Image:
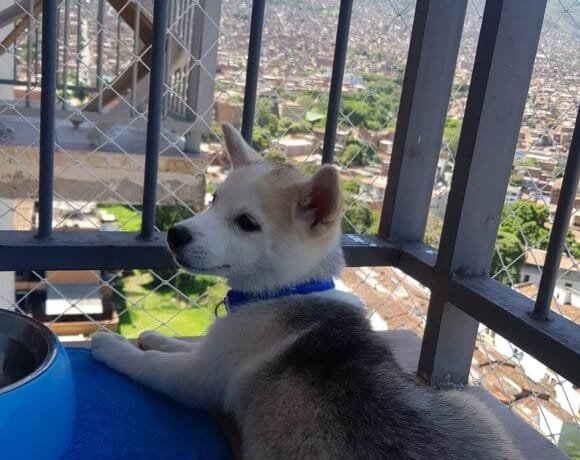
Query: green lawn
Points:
[127, 219]
[185, 307]
[148, 304]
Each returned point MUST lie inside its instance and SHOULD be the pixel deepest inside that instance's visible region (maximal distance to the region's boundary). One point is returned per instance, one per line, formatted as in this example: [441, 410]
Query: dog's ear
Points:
[239, 152]
[320, 201]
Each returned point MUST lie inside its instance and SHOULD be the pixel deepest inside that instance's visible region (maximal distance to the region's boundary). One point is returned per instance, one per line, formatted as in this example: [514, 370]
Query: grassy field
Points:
[185, 307]
[148, 304]
[127, 219]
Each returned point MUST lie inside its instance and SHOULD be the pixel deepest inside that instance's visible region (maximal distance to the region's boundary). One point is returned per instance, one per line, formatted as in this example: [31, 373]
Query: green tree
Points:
[260, 139]
[353, 155]
[527, 221]
[358, 217]
[508, 254]
[266, 117]
[451, 133]
[357, 153]
[433, 231]
[166, 216]
[351, 186]
[289, 126]
[516, 179]
[277, 156]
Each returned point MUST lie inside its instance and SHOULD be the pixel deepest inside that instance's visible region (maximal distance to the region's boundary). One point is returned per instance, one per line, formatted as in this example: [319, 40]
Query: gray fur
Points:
[304, 377]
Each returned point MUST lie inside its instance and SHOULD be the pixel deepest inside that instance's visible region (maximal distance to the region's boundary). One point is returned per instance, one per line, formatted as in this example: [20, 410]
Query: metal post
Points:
[501, 76]
[253, 68]
[65, 55]
[340, 50]
[154, 118]
[78, 57]
[136, 53]
[29, 12]
[100, 43]
[425, 95]
[560, 227]
[47, 118]
[118, 50]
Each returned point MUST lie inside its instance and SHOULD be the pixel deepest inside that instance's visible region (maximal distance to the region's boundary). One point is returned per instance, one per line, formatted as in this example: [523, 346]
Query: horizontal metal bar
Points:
[368, 251]
[123, 250]
[82, 251]
[555, 343]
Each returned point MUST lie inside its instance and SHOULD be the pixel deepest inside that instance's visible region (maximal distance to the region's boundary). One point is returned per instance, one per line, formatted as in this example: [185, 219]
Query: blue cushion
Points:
[119, 419]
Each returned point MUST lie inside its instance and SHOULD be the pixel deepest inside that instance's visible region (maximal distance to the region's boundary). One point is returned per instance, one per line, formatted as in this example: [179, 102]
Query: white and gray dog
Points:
[295, 363]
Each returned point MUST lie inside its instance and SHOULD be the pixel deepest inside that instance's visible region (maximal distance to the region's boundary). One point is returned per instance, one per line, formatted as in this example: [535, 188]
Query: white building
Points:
[512, 195]
[439, 201]
[567, 289]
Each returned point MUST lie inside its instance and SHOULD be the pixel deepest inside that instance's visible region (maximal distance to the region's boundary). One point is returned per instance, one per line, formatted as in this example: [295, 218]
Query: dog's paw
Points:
[151, 340]
[104, 346]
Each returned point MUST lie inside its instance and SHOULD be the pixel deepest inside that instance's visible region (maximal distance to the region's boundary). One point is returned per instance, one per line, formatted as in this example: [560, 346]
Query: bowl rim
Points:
[53, 346]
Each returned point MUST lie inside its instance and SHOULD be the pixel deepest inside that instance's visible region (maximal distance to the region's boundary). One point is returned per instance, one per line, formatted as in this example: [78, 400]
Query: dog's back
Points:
[335, 391]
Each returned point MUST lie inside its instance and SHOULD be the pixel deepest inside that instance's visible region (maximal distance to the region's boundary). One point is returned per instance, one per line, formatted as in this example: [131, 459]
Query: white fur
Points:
[224, 371]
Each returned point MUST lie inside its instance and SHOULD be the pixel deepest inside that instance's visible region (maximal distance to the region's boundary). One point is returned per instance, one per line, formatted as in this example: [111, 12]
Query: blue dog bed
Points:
[118, 419]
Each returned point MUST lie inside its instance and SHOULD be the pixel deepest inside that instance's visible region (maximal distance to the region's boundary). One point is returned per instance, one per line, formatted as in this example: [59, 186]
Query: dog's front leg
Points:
[169, 373]
[153, 340]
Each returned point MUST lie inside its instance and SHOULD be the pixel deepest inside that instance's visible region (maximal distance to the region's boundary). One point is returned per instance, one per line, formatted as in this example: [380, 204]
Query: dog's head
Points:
[268, 225]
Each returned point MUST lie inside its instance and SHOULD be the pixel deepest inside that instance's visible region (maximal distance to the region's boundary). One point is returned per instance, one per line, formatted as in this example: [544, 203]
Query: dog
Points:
[295, 362]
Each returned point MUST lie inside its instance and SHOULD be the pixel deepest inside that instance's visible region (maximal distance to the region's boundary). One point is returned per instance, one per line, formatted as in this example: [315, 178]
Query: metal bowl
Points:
[36, 390]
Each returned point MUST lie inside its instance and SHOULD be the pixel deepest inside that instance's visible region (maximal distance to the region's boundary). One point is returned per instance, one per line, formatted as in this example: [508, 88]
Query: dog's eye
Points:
[247, 223]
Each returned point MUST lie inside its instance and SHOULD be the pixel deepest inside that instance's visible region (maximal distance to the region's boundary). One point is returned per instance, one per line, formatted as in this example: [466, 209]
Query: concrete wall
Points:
[6, 67]
[103, 177]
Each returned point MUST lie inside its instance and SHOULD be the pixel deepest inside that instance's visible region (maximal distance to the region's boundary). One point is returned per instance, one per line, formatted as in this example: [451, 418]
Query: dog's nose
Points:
[178, 236]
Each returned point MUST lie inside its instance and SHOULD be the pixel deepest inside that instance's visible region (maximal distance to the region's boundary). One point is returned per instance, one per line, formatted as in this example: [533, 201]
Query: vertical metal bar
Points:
[47, 118]
[253, 68]
[78, 57]
[136, 53]
[425, 95]
[118, 50]
[35, 57]
[192, 96]
[154, 118]
[57, 44]
[560, 227]
[501, 76]
[100, 43]
[65, 55]
[340, 50]
[198, 86]
[171, 13]
[487, 144]
[29, 12]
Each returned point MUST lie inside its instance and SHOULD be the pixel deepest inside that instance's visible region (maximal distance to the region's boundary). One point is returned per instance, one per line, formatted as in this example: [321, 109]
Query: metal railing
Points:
[462, 292]
[115, 70]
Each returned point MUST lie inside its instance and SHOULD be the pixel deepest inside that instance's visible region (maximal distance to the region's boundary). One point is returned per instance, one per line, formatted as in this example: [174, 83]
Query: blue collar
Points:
[236, 299]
